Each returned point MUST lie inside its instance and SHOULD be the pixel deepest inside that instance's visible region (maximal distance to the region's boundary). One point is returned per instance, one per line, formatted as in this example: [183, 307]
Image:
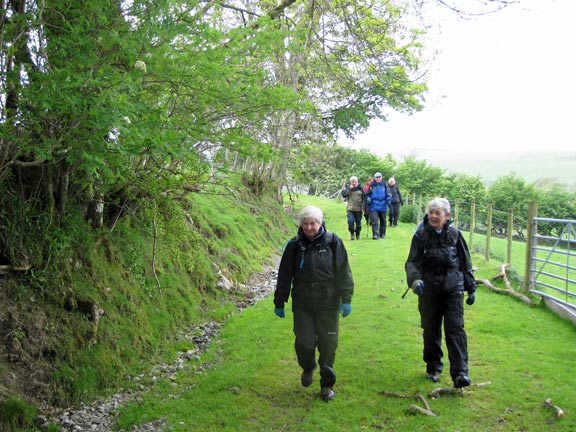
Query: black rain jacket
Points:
[315, 273]
[441, 260]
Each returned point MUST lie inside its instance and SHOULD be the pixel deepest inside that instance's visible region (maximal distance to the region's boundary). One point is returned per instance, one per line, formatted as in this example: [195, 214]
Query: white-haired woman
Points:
[315, 272]
[395, 203]
[439, 270]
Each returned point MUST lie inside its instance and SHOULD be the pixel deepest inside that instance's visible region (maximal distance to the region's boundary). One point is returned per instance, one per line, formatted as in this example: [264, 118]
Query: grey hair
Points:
[353, 178]
[439, 203]
[310, 213]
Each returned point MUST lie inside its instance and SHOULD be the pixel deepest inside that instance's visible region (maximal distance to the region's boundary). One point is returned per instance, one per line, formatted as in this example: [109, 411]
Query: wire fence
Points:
[483, 224]
[542, 251]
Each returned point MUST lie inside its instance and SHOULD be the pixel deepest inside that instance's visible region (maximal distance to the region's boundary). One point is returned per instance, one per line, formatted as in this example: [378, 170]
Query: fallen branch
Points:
[557, 410]
[413, 408]
[509, 291]
[416, 409]
[436, 393]
[398, 395]
[425, 402]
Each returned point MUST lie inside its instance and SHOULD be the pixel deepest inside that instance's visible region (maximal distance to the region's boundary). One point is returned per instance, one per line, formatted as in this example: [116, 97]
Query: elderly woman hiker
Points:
[439, 270]
[315, 272]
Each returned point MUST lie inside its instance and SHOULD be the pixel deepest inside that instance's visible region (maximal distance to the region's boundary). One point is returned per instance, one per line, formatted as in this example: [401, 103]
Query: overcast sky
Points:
[502, 82]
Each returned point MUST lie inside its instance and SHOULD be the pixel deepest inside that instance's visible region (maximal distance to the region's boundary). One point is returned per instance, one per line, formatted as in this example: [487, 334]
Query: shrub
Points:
[408, 213]
[16, 414]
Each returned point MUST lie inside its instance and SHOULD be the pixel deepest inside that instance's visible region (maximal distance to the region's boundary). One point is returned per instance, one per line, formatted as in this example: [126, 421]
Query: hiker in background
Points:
[354, 195]
[395, 202]
[314, 270]
[365, 205]
[378, 197]
[439, 270]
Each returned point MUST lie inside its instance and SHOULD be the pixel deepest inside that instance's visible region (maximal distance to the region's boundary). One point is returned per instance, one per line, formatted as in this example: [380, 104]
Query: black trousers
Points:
[393, 213]
[447, 308]
[378, 222]
[317, 330]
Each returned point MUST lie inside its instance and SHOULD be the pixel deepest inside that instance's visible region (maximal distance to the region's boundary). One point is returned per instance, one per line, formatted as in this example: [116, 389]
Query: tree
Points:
[554, 202]
[465, 188]
[419, 177]
[512, 192]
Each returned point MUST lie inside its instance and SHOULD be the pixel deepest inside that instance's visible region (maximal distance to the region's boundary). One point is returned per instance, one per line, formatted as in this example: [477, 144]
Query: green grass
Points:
[253, 384]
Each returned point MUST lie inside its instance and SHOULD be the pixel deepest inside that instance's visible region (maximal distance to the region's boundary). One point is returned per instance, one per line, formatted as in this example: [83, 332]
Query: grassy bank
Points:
[523, 354]
[107, 304]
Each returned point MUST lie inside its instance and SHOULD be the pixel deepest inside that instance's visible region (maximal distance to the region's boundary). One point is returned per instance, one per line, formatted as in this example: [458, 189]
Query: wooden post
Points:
[510, 233]
[488, 232]
[456, 213]
[472, 225]
[419, 210]
[531, 228]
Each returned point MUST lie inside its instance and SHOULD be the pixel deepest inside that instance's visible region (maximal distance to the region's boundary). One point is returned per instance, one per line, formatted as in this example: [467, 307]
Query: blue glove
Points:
[280, 312]
[345, 309]
[471, 299]
[418, 287]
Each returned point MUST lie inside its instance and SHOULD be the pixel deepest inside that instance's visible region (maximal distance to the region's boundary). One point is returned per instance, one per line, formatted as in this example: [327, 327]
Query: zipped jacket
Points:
[378, 196]
[316, 274]
[396, 194]
[355, 197]
[440, 259]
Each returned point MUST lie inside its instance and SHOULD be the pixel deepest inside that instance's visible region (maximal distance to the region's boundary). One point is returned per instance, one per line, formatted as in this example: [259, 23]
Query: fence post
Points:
[532, 213]
[472, 225]
[419, 210]
[510, 230]
[456, 213]
[488, 232]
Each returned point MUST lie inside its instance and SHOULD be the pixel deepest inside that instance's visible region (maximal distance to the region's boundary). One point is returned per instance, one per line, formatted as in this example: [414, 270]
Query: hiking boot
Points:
[434, 376]
[461, 380]
[374, 237]
[327, 393]
[357, 236]
[307, 378]
[351, 236]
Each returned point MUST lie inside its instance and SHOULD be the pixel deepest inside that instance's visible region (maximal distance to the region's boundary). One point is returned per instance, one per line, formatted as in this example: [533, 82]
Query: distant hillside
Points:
[530, 165]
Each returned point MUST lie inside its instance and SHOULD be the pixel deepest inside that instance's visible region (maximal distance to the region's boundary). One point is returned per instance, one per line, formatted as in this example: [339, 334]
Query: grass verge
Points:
[252, 382]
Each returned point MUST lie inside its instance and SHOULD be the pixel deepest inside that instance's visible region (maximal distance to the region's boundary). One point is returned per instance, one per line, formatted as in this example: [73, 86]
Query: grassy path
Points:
[253, 384]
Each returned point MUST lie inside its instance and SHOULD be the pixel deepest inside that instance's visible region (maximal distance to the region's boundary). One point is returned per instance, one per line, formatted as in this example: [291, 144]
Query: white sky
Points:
[503, 82]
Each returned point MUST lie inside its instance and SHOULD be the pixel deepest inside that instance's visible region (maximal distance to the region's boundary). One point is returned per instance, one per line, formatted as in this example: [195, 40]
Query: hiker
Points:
[378, 197]
[395, 202]
[439, 270]
[314, 269]
[354, 195]
[365, 205]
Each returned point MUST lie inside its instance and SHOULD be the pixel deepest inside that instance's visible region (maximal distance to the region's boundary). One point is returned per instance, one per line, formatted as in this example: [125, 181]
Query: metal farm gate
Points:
[553, 264]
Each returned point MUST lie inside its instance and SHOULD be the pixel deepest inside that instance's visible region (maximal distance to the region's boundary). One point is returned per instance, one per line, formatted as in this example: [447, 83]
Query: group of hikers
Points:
[373, 201]
[315, 273]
